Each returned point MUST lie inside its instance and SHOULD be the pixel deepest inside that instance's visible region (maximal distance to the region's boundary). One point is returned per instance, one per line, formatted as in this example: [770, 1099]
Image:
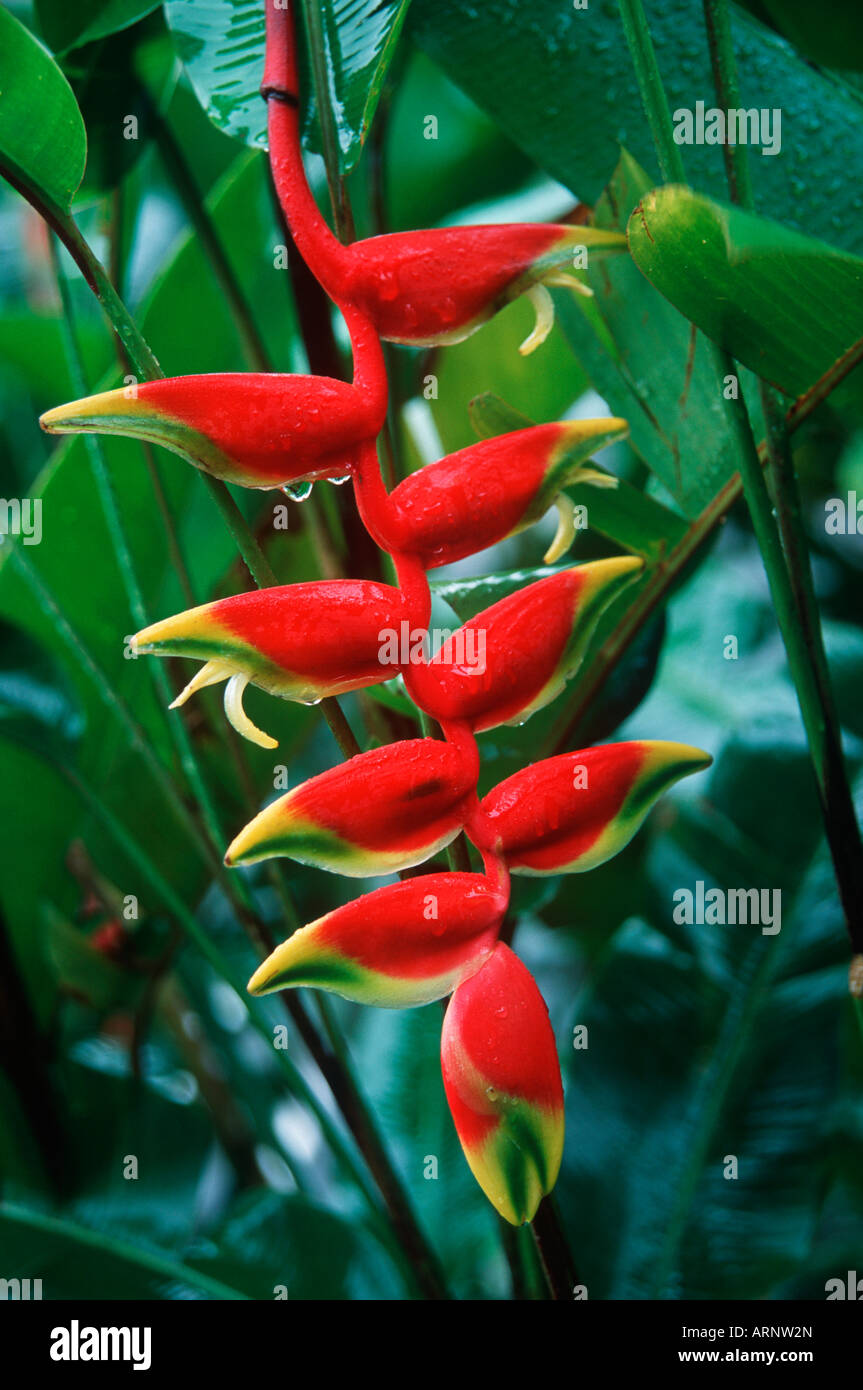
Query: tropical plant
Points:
[167, 1135]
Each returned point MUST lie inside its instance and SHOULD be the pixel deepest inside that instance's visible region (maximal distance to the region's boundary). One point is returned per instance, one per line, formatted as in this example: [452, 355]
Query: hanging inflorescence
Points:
[394, 807]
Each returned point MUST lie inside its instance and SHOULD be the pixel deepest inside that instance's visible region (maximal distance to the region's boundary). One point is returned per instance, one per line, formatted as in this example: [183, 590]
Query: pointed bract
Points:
[298, 641]
[491, 490]
[437, 286]
[378, 813]
[502, 1080]
[254, 429]
[516, 656]
[570, 813]
[397, 948]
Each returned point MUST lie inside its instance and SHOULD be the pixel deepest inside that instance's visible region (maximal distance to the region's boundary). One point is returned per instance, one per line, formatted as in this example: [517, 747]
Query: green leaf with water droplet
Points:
[221, 43]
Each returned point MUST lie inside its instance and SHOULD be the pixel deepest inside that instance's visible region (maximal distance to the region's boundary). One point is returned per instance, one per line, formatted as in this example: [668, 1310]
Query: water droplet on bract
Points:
[491, 1092]
[298, 492]
[501, 1011]
[340, 482]
[310, 703]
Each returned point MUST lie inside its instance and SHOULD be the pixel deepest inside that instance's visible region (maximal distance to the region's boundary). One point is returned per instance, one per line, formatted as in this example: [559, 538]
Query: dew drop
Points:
[298, 492]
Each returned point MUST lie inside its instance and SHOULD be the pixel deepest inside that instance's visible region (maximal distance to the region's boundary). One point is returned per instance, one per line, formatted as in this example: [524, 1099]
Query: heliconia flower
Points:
[255, 429]
[515, 657]
[438, 286]
[299, 641]
[570, 813]
[491, 490]
[502, 1081]
[401, 946]
[378, 813]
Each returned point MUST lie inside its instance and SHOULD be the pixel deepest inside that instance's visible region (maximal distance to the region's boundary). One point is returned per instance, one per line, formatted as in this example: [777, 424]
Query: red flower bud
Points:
[570, 813]
[486, 492]
[299, 641]
[378, 813]
[516, 656]
[249, 428]
[502, 1081]
[401, 946]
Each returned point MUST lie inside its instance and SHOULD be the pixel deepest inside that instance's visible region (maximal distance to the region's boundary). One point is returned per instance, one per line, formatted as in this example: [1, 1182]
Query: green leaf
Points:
[559, 83]
[67, 26]
[221, 43]
[785, 305]
[43, 144]
[648, 363]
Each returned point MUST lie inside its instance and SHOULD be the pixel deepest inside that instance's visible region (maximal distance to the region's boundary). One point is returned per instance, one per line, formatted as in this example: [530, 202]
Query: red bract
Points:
[398, 947]
[379, 813]
[256, 430]
[486, 492]
[570, 813]
[435, 287]
[300, 641]
[502, 1081]
[516, 656]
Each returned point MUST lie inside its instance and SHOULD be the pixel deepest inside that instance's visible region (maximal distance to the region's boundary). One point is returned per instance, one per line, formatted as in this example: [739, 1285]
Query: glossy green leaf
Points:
[559, 82]
[221, 43]
[784, 305]
[67, 25]
[43, 144]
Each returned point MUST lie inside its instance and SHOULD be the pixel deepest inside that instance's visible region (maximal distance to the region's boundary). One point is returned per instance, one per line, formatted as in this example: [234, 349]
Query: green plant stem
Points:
[786, 553]
[814, 715]
[722, 62]
[653, 96]
[314, 26]
[553, 1251]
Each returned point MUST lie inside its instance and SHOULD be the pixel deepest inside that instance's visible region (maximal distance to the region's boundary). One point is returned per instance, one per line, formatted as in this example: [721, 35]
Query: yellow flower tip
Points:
[255, 841]
[87, 413]
[289, 958]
